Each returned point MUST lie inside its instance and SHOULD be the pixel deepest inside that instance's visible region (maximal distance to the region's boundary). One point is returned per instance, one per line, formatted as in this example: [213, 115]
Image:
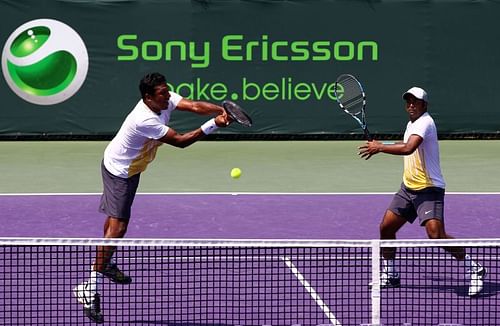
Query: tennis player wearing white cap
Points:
[422, 191]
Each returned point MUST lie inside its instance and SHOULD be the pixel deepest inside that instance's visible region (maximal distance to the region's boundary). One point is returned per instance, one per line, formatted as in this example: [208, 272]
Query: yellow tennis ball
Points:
[235, 173]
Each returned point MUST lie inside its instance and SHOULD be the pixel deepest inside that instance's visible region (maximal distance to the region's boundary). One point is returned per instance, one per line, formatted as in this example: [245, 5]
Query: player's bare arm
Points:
[200, 107]
[184, 140]
[371, 148]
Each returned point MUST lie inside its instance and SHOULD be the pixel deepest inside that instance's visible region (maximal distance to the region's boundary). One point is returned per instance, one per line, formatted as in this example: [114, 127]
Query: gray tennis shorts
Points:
[426, 204]
[118, 194]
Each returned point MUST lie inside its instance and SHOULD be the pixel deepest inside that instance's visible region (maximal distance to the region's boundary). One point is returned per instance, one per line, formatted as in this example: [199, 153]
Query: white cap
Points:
[418, 92]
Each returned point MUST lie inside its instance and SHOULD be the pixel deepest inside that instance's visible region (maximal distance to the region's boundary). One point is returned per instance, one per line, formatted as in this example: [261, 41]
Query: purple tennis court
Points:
[243, 216]
[242, 283]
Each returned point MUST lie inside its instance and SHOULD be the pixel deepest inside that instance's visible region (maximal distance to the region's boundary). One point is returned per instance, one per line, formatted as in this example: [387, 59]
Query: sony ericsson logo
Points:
[45, 61]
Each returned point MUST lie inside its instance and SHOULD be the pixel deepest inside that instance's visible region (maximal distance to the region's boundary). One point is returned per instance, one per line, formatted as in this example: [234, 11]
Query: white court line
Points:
[234, 193]
[314, 295]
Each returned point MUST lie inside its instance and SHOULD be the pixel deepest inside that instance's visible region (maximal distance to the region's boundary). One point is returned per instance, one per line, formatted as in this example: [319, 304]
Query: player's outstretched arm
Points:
[200, 107]
[184, 140]
[374, 147]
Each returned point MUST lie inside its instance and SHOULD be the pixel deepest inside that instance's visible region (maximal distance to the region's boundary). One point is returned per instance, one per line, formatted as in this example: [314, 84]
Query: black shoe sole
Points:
[112, 278]
[391, 286]
[123, 282]
[98, 319]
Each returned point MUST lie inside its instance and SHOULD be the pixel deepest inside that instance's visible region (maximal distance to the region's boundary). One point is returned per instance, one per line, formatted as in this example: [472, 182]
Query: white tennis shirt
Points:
[422, 168]
[135, 144]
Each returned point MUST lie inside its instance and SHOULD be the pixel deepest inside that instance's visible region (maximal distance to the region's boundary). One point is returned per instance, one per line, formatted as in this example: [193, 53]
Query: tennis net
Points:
[243, 282]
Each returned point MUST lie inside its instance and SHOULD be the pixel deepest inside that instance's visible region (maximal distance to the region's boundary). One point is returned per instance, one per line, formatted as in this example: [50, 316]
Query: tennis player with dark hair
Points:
[422, 191]
[126, 156]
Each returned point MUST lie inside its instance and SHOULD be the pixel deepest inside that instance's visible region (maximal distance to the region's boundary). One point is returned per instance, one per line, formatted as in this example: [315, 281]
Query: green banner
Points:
[73, 67]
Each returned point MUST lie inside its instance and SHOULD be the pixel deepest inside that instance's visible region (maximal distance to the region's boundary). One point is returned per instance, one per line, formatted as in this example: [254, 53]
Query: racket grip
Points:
[368, 136]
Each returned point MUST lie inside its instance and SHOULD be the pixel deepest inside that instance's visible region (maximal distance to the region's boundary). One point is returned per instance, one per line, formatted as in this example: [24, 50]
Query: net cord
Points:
[23, 241]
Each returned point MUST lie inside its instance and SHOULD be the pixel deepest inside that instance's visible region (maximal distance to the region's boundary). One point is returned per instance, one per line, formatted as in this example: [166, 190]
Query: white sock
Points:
[95, 282]
[389, 266]
[471, 265]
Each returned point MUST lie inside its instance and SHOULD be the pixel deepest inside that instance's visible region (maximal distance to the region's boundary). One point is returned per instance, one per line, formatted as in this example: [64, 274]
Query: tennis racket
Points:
[352, 100]
[237, 113]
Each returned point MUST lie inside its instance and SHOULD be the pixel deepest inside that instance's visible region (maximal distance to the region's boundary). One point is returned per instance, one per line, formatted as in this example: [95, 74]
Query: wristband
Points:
[209, 126]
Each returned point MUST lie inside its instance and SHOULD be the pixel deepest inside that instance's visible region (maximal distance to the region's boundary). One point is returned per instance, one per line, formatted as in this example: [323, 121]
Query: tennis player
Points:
[125, 158]
[422, 191]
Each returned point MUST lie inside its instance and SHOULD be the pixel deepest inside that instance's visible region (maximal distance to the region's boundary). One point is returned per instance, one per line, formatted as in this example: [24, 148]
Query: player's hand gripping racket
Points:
[237, 113]
[352, 100]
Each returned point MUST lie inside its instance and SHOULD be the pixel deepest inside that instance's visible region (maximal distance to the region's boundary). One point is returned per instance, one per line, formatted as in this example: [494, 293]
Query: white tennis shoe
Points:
[476, 281]
[388, 280]
[91, 302]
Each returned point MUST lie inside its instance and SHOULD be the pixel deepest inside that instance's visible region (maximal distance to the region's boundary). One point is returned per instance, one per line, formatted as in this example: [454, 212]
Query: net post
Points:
[375, 289]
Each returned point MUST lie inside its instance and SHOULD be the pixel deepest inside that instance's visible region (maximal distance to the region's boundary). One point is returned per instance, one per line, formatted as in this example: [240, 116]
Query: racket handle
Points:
[368, 136]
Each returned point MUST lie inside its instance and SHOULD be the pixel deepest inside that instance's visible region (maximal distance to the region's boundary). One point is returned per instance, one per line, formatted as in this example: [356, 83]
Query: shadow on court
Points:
[159, 322]
[490, 289]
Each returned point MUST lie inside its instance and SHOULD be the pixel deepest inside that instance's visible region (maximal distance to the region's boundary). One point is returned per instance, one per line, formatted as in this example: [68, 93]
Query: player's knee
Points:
[390, 225]
[434, 231]
[116, 229]
[386, 231]
[433, 234]
[121, 230]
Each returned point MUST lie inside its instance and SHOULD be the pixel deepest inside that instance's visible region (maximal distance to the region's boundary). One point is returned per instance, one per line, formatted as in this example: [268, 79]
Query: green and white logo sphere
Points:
[45, 61]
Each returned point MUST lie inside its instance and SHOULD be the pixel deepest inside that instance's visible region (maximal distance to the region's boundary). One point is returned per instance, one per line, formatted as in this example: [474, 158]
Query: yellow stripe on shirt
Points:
[415, 175]
[146, 156]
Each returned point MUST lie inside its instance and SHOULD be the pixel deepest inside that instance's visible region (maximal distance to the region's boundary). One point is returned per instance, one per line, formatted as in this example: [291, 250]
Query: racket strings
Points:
[352, 98]
[239, 116]
[237, 113]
